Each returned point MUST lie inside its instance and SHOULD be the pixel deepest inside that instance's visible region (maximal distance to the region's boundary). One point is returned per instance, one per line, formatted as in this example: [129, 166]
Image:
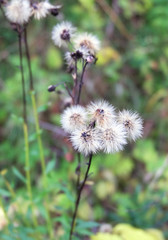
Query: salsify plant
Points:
[99, 126]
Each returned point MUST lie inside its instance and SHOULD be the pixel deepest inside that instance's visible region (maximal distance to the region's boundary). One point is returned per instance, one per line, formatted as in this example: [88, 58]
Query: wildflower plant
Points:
[97, 127]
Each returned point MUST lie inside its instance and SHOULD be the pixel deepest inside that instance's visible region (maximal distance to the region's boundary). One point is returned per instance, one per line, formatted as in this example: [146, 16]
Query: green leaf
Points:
[42, 108]
[50, 166]
[4, 193]
[19, 175]
[86, 224]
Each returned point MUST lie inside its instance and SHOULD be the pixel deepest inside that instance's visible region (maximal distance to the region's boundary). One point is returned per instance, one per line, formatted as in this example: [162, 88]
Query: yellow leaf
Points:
[104, 189]
[130, 233]
[85, 211]
[156, 234]
[105, 236]
[106, 55]
[3, 172]
[122, 227]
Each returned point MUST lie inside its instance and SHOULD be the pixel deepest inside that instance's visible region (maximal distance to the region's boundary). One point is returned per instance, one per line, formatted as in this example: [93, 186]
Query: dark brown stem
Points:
[78, 172]
[22, 76]
[78, 197]
[28, 59]
[68, 91]
[81, 83]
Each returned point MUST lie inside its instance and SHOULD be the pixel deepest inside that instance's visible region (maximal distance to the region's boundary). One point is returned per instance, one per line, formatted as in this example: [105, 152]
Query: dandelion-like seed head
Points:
[86, 140]
[113, 138]
[132, 123]
[73, 118]
[18, 11]
[62, 33]
[88, 41]
[41, 9]
[101, 112]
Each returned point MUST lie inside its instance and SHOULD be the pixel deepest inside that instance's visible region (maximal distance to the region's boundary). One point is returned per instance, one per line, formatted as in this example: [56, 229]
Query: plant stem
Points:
[78, 198]
[22, 77]
[38, 130]
[28, 176]
[81, 83]
[78, 172]
[28, 59]
[25, 130]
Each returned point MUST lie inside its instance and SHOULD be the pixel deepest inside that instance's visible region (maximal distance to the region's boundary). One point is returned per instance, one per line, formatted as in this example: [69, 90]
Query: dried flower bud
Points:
[51, 88]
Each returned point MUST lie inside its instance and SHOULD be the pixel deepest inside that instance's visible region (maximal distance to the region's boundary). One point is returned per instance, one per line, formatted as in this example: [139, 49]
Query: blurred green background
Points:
[132, 73]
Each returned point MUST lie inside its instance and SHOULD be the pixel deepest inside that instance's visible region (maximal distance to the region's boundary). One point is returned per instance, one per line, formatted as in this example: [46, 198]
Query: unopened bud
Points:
[90, 59]
[54, 11]
[51, 88]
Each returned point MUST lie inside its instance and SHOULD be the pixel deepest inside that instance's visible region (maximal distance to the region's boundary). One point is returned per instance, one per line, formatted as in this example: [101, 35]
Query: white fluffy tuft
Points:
[86, 141]
[87, 40]
[59, 29]
[73, 118]
[113, 138]
[102, 112]
[132, 123]
[18, 11]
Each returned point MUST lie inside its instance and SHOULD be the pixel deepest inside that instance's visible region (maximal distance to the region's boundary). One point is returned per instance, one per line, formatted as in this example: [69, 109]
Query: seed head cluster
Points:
[20, 11]
[98, 127]
[84, 46]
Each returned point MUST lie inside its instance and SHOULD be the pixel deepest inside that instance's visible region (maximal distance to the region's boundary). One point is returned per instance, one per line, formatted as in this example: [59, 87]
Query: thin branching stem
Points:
[81, 83]
[79, 197]
[78, 171]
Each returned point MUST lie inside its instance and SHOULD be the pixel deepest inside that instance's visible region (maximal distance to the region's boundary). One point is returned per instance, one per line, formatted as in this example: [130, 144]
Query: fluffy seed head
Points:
[18, 11]
[73, 118]
[113, 138]
[62, 33]
[132, 123]
[89, 41]
[101, 112]
[81, 52]
[86, 140]
[68, 58]
[42, 9]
